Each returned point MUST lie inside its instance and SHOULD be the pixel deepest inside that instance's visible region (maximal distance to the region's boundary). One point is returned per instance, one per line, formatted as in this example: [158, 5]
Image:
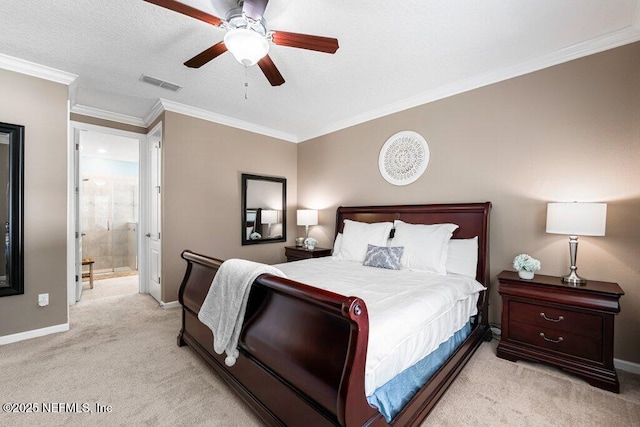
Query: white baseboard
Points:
[172, 304]
[21, 336]
[623, 365]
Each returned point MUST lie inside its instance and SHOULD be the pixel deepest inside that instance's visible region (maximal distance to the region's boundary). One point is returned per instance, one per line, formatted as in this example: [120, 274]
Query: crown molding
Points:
[608, 41]
[108, 115]
[225, 120]
[36, 70]
[154, 113]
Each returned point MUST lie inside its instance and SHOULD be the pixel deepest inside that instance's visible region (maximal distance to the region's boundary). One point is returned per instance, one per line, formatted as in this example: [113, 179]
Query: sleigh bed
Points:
[303, 349]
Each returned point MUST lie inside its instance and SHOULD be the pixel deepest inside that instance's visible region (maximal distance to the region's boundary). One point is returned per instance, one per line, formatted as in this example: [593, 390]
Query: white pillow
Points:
[425, 246]
[357, 235]
[462, 257]
[337, 245]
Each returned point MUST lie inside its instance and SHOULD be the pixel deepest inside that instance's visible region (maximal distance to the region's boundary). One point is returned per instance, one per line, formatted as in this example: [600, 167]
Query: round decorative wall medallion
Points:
[403, 158]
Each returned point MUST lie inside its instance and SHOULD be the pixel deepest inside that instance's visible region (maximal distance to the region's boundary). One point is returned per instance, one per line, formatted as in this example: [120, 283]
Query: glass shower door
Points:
[109, 210]
[97, 222]
[124, 224]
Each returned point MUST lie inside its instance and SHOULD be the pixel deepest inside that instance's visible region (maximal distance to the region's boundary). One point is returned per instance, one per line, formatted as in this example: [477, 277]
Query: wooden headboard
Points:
[472, 220]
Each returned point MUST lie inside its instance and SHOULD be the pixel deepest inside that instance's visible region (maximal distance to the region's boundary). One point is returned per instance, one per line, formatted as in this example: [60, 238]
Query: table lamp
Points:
[269, 217]
[307, 217]
[576, 219]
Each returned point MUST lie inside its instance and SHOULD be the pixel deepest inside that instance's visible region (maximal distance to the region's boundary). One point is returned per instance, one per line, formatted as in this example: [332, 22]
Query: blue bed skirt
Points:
[391, 397]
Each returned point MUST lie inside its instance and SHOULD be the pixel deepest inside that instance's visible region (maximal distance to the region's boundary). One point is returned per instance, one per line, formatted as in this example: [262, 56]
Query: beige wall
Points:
[41, 106]
[570, 132]
[564, 133]
[202, 167]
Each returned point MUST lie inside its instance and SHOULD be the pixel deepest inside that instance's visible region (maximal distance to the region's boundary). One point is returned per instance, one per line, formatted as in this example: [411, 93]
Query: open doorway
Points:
[109, 212]
[104, 212]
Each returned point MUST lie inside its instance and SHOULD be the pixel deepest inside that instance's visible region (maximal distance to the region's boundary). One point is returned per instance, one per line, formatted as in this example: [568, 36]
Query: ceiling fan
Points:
[247, 36]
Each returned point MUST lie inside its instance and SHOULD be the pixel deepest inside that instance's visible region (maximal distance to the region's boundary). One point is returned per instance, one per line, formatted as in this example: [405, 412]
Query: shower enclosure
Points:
[109, 220]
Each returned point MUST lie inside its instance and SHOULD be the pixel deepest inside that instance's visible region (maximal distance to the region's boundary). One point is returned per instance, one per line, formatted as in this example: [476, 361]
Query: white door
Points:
[153, 234]
[78, 226]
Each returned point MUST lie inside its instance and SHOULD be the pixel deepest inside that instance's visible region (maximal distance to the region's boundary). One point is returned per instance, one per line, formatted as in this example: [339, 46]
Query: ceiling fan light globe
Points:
[247, 46]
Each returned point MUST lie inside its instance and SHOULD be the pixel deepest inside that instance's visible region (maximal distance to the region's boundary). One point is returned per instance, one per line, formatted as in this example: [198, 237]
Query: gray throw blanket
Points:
[226, 302]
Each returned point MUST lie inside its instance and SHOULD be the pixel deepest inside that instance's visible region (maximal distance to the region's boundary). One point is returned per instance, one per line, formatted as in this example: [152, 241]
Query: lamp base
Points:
[574, 279]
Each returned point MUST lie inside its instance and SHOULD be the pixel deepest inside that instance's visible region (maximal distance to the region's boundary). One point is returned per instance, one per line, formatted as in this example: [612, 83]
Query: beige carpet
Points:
[492, 391]
[103, 288]
[121, 351]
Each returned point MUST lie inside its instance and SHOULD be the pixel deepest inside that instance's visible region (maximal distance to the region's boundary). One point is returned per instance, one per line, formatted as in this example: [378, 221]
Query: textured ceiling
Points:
[392, 55]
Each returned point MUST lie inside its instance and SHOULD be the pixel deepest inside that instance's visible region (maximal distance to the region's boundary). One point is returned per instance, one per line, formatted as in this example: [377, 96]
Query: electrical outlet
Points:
[43, 300]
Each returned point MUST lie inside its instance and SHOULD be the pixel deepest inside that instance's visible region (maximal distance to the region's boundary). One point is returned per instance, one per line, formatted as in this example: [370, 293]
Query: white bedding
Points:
[410, 313]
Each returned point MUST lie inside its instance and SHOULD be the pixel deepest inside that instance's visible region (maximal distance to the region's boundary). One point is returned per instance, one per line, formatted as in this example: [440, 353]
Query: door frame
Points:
[71, 212]
[145, 209]
[77, 224]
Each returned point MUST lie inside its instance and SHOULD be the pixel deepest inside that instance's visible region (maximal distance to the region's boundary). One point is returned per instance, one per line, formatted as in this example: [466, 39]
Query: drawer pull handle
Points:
[551, 319]
[550, 339]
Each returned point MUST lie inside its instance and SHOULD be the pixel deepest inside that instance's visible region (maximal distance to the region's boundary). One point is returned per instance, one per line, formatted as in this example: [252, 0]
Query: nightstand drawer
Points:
[551, 339]
[294, 253]
[563, 320]
[297, 255]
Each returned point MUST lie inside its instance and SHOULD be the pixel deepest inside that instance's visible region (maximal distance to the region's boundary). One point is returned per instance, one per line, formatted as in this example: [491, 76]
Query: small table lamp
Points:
[576, 219]
[307, 217]
[269, 217]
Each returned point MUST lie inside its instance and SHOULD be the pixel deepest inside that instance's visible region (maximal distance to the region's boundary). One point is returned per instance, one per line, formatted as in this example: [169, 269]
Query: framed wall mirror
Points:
[264, 209]
[11, 209]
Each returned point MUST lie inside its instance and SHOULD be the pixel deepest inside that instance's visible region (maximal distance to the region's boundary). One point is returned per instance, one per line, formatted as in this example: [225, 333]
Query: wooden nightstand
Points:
[571, 327]
[294, 253]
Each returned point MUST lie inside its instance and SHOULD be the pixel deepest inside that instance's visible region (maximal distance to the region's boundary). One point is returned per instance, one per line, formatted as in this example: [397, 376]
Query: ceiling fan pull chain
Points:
[246, 82]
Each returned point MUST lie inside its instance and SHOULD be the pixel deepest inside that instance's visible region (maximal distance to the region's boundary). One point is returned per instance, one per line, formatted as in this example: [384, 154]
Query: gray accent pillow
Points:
[383, 257]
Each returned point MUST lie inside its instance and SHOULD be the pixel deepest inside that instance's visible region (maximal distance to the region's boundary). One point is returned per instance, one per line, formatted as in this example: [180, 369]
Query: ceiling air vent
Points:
[160, 83]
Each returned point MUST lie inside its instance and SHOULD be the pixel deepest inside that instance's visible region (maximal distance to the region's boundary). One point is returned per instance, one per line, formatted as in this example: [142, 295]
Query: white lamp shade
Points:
[269, 217]
[307, 217]
[577, 219]
[247, 46]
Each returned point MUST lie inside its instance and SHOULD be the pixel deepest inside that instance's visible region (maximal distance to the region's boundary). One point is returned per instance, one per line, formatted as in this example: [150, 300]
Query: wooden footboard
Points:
[303, 349]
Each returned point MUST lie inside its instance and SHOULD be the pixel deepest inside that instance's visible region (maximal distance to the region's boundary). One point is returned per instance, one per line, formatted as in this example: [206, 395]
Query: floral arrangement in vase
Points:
[526, 266]
[310, 243]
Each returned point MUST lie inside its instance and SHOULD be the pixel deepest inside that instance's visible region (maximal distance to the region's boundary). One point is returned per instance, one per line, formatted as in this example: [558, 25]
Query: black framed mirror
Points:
[11, 209]
[264, 209]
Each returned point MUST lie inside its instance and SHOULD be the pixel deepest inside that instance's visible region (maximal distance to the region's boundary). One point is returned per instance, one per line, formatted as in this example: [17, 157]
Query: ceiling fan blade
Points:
[305, 41]
[176, 6]
[270, 71]
[254, 9]
[202, 58]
